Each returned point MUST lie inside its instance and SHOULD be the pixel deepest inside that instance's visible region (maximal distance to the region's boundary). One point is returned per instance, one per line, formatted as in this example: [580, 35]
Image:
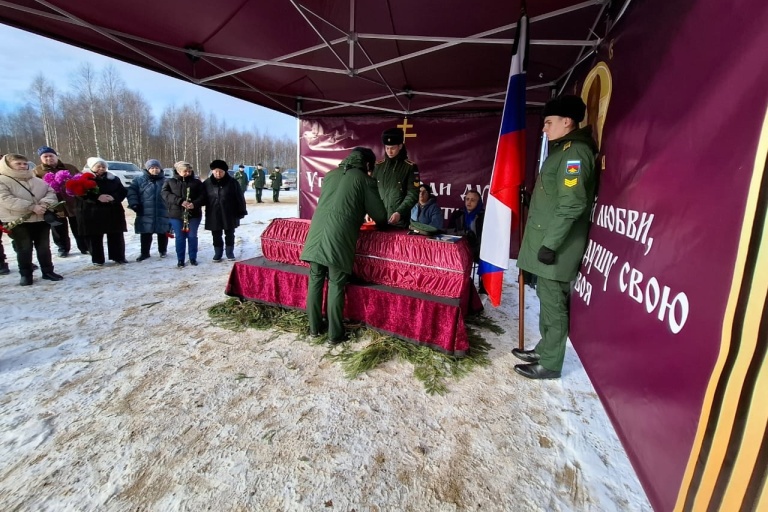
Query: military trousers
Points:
[337, 280]
[275, 195]
[257, 190]
[554, 318]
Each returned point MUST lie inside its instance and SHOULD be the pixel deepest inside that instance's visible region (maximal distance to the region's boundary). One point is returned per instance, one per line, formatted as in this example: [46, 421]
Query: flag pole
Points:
[521, 226]
[520, 278]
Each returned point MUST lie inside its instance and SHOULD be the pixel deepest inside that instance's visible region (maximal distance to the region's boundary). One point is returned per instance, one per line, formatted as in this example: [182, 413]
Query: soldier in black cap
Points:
[397, 178]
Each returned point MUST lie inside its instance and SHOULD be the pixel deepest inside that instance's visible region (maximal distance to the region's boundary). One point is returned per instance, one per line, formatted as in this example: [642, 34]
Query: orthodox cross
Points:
[405, 127]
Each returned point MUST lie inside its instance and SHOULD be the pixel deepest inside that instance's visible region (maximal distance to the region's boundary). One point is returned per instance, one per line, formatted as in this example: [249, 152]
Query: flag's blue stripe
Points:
[513, 118]
[486, 268]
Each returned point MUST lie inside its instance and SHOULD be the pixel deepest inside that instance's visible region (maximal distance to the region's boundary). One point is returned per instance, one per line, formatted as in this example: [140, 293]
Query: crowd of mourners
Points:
[54, 200]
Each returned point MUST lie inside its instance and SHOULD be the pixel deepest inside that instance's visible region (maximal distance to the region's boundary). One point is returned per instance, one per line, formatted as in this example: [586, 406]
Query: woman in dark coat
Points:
[144, 198]
[184, 197]
[103, 213]
[224, 207]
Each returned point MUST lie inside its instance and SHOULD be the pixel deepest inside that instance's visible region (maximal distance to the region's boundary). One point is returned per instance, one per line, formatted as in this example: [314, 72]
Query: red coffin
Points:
[391, 258]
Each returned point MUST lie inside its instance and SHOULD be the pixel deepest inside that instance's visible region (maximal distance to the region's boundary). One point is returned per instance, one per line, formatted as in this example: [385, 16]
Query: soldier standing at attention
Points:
[397, 178]
[259, 180]
[557, 230]
[348, 194]
[242, 179]
[277, 182]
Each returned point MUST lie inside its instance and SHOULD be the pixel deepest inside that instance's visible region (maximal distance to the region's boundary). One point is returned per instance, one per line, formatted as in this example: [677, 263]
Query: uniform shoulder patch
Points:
[410, 162]
[379, 161]
[567, 145]
[571, 183]
[573, 167]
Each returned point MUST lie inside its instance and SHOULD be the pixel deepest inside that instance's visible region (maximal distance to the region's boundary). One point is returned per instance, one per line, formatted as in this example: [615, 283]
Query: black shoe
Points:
[63, 254]
[25, 281]
[193, 263]
[529, 356]
[52, 276]
[4, 270]
[336, 341]
[163, 254]
[97, 264]
[121, 262]
[180, 264]
[84, 251]
[536, 371]
[143, 257]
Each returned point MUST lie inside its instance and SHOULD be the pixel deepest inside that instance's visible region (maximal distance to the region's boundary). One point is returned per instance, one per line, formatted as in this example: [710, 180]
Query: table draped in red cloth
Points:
[425, 319]
[393, 258]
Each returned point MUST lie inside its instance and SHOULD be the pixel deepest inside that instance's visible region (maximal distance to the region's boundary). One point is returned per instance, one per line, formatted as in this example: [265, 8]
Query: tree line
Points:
[98, 115]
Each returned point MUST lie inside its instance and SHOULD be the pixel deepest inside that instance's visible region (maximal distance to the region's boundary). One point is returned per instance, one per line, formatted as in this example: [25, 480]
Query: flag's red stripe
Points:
[509, 172]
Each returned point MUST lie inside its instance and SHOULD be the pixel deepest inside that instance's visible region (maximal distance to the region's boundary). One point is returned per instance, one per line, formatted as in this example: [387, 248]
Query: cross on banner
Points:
[405, 127]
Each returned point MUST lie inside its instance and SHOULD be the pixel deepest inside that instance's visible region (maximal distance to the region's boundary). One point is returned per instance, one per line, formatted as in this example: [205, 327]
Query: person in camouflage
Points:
[556, 233]
[397, 178]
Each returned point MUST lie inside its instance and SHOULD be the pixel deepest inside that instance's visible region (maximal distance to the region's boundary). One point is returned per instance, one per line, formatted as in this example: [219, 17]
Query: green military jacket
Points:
[348, 194]
[398, 182]
[259, 178]
[277, 180]
[560, 207]
[242, 179]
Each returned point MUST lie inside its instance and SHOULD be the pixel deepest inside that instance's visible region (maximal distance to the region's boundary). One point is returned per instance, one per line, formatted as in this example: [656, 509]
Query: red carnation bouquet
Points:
[82, 185]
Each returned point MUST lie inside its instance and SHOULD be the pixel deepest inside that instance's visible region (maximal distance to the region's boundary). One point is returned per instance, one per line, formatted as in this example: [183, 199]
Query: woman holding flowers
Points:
[56, 173]
[24, 200]
[144, 197]
[100, 211]
[184, 197]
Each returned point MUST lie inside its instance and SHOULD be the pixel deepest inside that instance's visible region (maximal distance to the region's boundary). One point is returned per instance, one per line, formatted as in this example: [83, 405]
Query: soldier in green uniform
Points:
[277, 182]
[259, 180]
[348, 193]
[397, 178]
[556, 233]
[242, 179]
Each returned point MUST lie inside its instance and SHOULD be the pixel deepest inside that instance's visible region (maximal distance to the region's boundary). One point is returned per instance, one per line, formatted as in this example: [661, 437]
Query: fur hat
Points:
[393, 137]
[219, 164]
[152, 163]
[566, 106]
[45, 149]
[95, 160]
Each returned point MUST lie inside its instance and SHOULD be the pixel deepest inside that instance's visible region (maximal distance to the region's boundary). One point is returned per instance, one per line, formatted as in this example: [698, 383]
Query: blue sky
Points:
[23, 55]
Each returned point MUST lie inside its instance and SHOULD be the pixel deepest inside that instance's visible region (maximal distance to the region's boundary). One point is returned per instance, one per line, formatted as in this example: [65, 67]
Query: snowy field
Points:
[118, 394]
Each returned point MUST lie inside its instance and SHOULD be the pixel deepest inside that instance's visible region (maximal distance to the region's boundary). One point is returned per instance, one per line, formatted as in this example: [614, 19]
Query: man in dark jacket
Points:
[397, 178]
[348, 193]
[224, 207]
[277, 182]
[427, 211]
[259, 180]
[557, 230]
[50, 163]
[242, 179]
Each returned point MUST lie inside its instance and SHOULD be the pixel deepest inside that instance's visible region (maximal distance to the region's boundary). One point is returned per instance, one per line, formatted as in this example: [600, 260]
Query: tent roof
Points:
[331, 57]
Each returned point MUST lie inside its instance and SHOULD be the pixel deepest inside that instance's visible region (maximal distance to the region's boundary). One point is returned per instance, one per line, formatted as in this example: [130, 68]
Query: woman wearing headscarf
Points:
[184, 197]
[145, 198]
[102, 213]
[224, 207]
[23, 194]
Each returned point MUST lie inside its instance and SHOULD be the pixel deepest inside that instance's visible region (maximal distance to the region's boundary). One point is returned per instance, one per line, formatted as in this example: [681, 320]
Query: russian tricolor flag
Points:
[503, 205]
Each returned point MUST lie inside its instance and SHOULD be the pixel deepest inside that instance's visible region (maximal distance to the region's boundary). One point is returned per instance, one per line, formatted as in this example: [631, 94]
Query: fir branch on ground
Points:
[431, 367]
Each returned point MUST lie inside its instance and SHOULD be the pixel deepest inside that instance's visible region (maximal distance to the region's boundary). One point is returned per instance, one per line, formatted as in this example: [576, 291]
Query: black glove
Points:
[546, 255]
[137, 208]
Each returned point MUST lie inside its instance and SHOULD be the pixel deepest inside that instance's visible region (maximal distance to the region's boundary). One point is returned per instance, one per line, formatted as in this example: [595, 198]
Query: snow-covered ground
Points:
[118, 394]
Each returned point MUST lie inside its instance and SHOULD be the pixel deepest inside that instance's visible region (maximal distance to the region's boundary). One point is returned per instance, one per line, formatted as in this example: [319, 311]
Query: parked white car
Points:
[125, 171]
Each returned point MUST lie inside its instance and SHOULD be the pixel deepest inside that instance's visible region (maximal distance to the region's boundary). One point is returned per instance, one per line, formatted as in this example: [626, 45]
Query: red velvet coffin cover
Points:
[391, 258]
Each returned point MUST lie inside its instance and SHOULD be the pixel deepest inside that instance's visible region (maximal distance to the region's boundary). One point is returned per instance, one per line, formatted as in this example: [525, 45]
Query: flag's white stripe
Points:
[495, 250]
